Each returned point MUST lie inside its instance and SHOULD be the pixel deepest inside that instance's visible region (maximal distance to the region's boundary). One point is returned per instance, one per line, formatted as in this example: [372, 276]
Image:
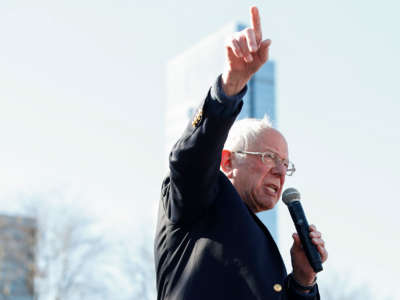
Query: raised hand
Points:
[246, 52]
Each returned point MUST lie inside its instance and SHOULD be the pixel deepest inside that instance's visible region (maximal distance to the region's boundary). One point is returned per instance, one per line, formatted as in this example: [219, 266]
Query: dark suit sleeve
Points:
[293, 294]
[195, 159]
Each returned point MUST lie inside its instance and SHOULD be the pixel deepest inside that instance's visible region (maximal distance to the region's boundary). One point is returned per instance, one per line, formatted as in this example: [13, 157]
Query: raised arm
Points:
[195, 158]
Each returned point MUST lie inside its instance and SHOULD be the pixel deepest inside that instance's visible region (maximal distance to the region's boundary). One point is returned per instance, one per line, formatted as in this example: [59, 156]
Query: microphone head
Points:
[290, 195]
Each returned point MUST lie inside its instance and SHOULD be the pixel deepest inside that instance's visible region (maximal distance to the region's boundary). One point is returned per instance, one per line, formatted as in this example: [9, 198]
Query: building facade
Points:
[189, 77]
[17, 263]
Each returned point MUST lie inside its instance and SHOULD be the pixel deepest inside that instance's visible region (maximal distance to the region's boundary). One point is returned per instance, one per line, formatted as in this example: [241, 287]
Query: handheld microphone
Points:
[291, 197]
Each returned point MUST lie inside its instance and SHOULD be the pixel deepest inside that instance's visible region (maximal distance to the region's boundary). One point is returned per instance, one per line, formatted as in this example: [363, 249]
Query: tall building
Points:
[17, 264]
[190, 75]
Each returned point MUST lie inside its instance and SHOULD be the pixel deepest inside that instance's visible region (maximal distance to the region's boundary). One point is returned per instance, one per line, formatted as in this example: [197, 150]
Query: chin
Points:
[267, 205]
[271, 206]
[273, 202]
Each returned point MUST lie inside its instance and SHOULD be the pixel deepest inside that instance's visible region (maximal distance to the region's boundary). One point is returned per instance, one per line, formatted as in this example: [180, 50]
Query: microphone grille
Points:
[290, 195]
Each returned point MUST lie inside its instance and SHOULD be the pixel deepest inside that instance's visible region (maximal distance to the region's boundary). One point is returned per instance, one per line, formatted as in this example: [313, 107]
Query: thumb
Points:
[264, 50]
[296, 241]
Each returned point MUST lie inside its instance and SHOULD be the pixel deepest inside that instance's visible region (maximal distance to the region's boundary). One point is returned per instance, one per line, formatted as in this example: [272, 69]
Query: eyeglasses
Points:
[269, 158]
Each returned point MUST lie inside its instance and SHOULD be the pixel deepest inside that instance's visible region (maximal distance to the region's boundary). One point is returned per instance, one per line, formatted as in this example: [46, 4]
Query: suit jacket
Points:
[208, 244]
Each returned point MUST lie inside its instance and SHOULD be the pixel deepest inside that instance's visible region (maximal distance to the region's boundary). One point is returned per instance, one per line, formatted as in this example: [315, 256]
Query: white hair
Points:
[245, 132]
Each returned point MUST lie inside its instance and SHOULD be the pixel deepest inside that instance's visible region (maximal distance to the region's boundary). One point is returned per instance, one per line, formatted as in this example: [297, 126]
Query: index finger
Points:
[256, 23]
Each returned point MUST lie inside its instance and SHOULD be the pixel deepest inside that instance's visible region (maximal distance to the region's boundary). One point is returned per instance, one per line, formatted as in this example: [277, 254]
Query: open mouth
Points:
[272, 188]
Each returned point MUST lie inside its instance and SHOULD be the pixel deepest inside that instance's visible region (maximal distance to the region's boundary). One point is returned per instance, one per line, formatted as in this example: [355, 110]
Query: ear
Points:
[226, 163]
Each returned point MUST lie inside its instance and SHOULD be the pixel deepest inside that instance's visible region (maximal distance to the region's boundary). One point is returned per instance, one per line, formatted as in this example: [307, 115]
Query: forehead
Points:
[270, 139]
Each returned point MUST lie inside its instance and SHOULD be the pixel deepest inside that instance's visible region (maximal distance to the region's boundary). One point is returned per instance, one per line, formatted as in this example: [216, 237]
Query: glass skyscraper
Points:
[189, 77]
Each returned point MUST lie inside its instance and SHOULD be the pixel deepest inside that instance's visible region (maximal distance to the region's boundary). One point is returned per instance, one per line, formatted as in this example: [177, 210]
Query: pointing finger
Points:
[256, 23]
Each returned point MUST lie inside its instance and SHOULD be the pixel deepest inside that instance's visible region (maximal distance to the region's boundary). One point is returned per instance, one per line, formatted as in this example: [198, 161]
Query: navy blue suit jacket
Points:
[208, 244]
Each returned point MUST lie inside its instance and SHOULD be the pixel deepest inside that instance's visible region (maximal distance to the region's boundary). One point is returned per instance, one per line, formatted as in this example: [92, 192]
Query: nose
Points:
[279, 169]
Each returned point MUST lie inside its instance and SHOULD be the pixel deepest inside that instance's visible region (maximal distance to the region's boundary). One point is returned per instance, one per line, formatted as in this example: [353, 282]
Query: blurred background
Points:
[82, 137]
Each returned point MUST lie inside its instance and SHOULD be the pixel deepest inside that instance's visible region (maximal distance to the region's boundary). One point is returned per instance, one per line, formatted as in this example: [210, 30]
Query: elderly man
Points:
[209, 242]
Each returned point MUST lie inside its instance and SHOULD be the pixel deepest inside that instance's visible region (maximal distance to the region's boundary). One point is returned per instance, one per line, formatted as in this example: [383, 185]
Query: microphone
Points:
[291, 197]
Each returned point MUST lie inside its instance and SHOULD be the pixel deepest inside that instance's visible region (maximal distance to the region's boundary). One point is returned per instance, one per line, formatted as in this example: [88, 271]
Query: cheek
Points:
[258, 173]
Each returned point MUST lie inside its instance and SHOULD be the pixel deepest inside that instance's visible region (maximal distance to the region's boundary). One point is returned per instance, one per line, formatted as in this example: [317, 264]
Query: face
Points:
[259, 184]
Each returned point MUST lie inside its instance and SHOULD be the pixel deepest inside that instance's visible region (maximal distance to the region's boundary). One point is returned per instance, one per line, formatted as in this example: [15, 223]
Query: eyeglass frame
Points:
[290, 168]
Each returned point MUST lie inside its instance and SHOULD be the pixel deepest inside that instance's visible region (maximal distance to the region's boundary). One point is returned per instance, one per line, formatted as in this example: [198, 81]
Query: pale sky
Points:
[82, 92]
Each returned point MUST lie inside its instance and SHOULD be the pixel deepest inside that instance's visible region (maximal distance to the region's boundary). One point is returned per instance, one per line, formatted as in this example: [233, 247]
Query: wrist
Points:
[303, 286]
[305, 279]
[233, 84]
